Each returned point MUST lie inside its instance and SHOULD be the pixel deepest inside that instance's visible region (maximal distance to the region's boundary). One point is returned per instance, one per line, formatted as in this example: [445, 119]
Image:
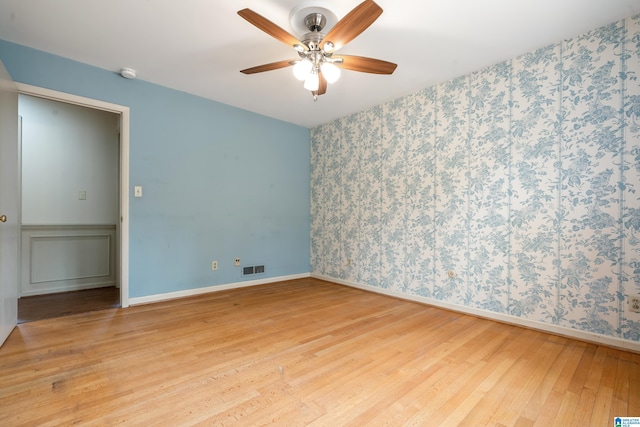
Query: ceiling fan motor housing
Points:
[306, 8]
[315, 22]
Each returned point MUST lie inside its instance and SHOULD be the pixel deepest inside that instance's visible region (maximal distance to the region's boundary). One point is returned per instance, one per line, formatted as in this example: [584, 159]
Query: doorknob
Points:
[3, 218]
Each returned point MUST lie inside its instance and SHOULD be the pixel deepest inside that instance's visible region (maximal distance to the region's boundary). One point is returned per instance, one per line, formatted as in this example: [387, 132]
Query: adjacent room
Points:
[304, 212]
[69, 208]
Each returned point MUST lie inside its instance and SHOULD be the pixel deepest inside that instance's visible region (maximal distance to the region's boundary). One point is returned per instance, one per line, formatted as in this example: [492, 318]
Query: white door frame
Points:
[124, 168]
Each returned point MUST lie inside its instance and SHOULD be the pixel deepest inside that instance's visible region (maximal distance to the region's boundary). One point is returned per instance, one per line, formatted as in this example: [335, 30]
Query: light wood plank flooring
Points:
[306, 352]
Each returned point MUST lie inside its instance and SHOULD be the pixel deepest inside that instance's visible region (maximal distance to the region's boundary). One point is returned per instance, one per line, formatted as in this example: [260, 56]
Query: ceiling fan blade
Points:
[269, 27]
[352, 24]
[267, 67]
[366, 65]
[322, 85]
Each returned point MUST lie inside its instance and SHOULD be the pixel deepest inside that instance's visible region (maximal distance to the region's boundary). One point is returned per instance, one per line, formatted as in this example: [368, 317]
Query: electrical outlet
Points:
[634, 303]
[236, 262]
[214, 265]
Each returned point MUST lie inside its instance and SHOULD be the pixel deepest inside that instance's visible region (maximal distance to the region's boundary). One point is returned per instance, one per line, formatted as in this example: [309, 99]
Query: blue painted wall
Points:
[522, 178]
[218, 181]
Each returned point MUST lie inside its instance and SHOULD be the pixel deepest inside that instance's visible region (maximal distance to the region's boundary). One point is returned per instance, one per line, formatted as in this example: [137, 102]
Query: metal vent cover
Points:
[252, 269]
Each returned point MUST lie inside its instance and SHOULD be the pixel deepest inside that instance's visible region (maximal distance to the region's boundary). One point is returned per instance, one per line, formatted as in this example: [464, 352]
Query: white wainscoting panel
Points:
[59, 258]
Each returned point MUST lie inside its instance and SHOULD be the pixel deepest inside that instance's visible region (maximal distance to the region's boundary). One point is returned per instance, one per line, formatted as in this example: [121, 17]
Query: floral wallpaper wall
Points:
[523, 179]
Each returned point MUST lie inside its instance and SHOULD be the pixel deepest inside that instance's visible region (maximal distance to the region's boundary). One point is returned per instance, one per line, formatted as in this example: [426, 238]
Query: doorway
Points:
[58, 283]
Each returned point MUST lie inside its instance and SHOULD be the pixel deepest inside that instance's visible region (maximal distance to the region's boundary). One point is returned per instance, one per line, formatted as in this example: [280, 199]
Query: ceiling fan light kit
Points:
[312, 82]
[330, 72]
[316, 65]
[302, 69]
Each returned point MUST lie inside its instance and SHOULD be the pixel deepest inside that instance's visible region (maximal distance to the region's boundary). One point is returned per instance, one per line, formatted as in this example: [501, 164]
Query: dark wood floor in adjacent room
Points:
[306, 352]
[49, 306]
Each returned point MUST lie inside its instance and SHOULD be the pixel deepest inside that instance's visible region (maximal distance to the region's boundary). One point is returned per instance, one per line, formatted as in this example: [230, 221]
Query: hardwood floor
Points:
[306, 352]
[48, 306]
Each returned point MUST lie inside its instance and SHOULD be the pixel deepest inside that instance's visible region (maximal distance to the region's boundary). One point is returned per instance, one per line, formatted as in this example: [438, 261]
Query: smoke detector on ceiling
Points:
[128, 73]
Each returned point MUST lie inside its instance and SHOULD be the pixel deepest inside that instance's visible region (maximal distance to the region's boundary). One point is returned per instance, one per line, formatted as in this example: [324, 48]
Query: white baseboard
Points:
[68, 289]
[215, 288]
[505, 318]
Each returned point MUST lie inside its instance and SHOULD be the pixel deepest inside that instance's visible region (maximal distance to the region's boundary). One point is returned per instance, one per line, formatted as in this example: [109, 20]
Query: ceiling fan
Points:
[317, 64]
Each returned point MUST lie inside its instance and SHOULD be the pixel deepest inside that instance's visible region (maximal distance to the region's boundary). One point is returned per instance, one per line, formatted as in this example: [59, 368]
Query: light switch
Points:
[137, 191]
[82, 195]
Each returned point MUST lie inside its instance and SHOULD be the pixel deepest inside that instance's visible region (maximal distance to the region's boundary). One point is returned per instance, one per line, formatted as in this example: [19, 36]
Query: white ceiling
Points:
[199, 46]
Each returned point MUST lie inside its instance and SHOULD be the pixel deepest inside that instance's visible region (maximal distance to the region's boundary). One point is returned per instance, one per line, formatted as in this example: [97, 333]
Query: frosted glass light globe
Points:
[330, 72]
[302, 69]
[312, 83]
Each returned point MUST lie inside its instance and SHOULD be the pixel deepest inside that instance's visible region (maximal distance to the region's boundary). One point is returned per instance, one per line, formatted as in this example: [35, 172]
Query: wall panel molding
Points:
[60, 258]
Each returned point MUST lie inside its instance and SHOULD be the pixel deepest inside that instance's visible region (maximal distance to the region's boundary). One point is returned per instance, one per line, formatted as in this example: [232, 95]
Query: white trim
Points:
[124, 208]
[69, 98]
[124, 168]
[505, 318]
[215, 288]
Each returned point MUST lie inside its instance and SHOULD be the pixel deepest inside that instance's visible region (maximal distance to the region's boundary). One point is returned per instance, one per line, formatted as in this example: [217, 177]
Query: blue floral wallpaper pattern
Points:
[522, 178]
